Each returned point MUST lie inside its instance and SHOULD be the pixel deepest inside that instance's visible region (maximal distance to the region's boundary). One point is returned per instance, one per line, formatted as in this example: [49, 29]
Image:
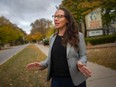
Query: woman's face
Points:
[60, 20]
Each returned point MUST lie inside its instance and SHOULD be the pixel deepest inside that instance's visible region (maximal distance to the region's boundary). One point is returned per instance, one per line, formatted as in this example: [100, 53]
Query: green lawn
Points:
[14, 73]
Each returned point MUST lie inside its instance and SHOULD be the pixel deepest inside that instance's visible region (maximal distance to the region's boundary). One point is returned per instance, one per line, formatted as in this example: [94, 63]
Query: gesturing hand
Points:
[84, 69]
[34, 66]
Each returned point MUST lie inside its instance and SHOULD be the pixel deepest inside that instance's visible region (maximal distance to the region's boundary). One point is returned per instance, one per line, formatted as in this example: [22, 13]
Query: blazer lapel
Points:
[68, 49]
[52, 41]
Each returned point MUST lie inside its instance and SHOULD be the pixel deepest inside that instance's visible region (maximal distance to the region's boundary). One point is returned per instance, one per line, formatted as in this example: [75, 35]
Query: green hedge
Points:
[101, 39]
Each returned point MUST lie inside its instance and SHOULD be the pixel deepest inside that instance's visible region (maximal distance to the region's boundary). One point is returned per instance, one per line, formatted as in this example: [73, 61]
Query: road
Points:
[8, 53]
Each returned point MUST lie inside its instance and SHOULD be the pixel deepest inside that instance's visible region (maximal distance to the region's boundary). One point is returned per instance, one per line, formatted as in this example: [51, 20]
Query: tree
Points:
[50, 31]
[80, 8]
[37, 36]
[10, 33]
[7, 34]
[28, 38]
[109, 11]
[41, 25]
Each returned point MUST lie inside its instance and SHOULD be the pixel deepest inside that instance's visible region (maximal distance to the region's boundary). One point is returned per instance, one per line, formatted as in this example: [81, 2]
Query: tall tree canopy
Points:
[41, 25]
[10, 33]
[80, 8]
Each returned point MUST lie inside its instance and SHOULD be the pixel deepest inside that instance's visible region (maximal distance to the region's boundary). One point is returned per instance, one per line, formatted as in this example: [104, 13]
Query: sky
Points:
[24, 12]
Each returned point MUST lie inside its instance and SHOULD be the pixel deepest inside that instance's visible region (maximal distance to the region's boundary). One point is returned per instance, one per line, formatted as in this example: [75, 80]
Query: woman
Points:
[67, 59]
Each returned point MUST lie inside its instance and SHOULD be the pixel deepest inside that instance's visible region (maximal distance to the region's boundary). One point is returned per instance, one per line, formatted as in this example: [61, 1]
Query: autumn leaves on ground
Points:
[14, 73]
[103, 56]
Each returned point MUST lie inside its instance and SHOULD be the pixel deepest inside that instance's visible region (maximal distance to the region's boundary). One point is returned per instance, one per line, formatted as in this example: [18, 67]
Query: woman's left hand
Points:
[84, 69]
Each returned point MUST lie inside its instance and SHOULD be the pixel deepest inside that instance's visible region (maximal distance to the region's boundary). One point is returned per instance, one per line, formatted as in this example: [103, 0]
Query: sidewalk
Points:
[101, 76]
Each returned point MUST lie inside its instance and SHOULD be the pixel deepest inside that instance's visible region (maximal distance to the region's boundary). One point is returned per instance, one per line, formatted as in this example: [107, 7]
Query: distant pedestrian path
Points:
[8, 53]
[101, 76]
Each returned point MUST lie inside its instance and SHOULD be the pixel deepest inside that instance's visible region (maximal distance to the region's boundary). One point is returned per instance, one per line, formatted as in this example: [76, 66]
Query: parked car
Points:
[46, 41]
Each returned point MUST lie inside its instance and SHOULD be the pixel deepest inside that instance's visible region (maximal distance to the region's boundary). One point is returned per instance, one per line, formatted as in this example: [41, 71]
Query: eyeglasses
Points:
[58, 16]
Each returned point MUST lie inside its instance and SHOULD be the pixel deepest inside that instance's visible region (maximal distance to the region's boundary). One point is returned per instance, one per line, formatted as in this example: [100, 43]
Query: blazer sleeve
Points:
[46, 62]
[82, 49]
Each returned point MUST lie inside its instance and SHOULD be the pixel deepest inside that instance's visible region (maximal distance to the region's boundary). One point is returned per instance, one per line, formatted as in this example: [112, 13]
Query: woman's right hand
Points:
[34, 66]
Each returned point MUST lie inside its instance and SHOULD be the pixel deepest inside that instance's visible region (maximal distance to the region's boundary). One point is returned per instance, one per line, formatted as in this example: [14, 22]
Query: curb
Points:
[109, 45]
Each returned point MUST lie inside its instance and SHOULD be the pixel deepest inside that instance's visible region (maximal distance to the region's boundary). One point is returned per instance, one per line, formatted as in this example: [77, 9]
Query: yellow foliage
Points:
[84, 5]
[89, 6]
[37, 36]
[50, 32]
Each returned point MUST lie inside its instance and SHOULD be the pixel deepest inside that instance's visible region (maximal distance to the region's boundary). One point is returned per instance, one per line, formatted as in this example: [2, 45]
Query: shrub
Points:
[101, 39]
[46, 41]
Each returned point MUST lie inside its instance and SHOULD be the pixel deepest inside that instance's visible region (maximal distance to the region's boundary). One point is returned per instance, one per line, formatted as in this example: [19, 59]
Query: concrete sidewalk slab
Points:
[101, 76]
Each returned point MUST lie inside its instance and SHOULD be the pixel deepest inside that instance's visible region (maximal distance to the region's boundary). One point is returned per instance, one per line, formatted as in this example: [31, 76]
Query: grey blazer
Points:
[72, 57]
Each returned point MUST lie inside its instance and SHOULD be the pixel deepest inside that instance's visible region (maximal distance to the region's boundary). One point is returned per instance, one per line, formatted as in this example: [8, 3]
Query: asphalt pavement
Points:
[8, 53]
[101, 76]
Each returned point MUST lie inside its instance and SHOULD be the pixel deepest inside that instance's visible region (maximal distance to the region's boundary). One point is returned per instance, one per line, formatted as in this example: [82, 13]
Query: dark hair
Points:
[71, 33]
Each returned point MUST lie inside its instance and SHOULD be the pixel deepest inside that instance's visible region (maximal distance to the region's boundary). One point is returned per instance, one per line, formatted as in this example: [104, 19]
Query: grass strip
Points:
[104, 56]
[14, 73]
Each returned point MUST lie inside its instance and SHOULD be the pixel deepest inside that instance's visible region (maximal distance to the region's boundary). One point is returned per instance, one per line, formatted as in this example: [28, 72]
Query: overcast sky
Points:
[24, 12]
